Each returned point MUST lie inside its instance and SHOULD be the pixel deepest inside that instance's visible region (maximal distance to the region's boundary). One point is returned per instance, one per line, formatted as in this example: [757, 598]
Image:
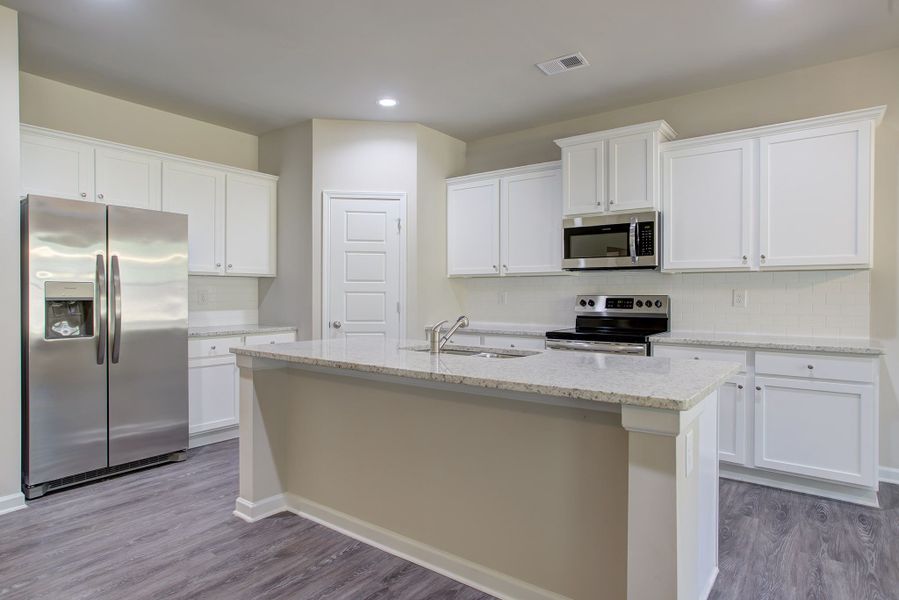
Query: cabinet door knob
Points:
[337, 324]
[84, 194]
[511, 345]
[100, 196]
[494, 268]
[811, 367]
[505, 267]
[212, 347]
[763, 257]
[739, 387]
[695, 358]
[218, 264]
[230, 265]
[745, 258]
[758, 388]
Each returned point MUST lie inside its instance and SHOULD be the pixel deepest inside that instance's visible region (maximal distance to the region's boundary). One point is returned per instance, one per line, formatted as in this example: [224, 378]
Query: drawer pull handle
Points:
[811, 366]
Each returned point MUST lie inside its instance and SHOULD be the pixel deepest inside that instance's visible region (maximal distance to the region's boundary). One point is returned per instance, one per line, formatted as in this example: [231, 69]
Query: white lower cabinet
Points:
[816, 428]
[213, 393]
[802, 421]
[732, 421]
[213, 384]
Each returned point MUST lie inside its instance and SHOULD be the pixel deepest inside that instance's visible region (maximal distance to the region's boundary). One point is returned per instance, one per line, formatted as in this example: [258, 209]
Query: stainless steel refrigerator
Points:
[104, 341]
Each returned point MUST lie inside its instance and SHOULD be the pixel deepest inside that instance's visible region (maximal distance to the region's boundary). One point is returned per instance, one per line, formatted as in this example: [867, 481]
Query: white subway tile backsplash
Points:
[809, 303]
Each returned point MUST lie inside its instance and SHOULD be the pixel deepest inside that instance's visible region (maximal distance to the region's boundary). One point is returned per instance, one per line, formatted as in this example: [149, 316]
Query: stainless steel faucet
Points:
[437, 341]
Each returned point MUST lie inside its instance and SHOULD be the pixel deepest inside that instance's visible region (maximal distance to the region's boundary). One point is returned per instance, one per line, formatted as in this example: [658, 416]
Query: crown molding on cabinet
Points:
[160, 155]
[544, 166]
[662, 126]
[874, 113]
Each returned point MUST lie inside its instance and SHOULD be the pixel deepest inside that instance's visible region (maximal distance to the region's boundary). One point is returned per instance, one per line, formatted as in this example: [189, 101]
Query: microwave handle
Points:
[632, 236]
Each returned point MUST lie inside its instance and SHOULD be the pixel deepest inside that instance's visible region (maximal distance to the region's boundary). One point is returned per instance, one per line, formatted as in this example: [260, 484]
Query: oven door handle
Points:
[611, 348]
[632, 237]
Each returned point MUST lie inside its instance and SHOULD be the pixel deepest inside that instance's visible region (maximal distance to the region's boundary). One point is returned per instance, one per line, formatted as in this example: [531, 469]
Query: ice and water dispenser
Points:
[68, 309]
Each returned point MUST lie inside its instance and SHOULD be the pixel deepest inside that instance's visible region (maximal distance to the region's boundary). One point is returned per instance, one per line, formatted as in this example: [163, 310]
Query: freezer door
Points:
[63, 355]
[147, 333]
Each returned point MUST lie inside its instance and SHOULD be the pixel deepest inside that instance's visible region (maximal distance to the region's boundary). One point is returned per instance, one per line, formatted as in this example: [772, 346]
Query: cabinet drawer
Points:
[816, 366]
[698, 353]
[511, 341]
[270, 338]
[211, 346]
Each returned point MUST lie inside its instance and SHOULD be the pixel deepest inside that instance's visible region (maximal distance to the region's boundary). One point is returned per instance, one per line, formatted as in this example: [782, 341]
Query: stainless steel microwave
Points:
[611, 242]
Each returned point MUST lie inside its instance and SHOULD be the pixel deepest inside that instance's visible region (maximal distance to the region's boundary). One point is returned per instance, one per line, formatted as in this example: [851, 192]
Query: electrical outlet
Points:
[202, 297]
[741, 298]
[688, 439]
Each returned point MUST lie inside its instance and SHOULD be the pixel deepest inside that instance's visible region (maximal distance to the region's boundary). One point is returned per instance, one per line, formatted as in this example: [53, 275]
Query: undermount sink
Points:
[480, 352]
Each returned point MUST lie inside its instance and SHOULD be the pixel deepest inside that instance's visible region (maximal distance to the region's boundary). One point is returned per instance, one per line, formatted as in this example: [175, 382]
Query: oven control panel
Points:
[646, 304]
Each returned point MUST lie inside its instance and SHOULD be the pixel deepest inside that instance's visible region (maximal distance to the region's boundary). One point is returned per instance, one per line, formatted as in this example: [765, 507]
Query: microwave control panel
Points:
[646, 239]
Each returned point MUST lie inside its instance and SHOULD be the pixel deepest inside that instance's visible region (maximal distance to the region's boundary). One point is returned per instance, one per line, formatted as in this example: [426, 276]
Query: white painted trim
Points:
[665, 421]
[256, 511]
[825, 489]
[457, 568]
[214, 436]
[523, 170]
[665, 130]
[160, 155]
[874, 113]
[12, 502]
[707, 589]
[889, 475]
[327, 196]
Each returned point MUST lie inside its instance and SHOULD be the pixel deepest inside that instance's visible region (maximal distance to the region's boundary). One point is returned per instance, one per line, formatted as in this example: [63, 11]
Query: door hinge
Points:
[399, 225]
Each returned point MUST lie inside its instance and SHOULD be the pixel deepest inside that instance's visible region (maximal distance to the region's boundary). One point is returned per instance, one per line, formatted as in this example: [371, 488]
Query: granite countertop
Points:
[219, 330]
[626, 380]
[769, 342]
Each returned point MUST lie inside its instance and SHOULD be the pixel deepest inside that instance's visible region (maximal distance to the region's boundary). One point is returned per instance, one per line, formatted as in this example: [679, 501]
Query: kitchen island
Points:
[551, 474]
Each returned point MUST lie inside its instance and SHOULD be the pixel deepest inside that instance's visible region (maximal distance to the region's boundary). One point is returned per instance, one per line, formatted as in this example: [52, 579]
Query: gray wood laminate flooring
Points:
[168, 533]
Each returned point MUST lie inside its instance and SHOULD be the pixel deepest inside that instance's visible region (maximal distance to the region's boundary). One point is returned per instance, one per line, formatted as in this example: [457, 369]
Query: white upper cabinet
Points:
[505, 222]
[472, 227]
[584, 178]
[531, 223]
[815, 196]
[231, 212]
[56, 166]
[614, 170]
[199, 193]
[707, 198]
[805, 203]
[250, 225]
[126, 178]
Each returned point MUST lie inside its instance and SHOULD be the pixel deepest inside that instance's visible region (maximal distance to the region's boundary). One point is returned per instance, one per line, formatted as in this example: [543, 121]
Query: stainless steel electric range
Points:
[613, 324]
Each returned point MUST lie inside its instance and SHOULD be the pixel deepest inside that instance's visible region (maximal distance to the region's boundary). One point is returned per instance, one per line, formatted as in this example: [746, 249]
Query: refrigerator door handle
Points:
[116, 310]
[101, 315]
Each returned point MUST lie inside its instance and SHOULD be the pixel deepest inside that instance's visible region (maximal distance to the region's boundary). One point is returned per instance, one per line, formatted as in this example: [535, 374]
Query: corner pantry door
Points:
[362, 266]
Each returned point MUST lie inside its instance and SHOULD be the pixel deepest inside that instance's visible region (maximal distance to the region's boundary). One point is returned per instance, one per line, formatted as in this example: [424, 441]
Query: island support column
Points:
[261, 489]
[672, 516]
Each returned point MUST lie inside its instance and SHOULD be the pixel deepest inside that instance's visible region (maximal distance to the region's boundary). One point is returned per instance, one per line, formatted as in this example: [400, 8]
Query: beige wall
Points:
[534, 491]
[871, 301]
[55, 105]
[10, 373]
[287, 299]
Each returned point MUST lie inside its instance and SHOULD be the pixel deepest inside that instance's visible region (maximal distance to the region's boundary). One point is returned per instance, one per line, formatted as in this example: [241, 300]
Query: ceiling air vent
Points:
[564, 63]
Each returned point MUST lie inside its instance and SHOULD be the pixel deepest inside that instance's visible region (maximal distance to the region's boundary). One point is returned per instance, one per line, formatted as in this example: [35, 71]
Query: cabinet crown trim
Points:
[535, 168]
[874, 114]
[661, 126]
[26, 128]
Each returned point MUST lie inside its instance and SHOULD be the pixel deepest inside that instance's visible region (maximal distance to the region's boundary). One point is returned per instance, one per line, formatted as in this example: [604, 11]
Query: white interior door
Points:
[363, 268]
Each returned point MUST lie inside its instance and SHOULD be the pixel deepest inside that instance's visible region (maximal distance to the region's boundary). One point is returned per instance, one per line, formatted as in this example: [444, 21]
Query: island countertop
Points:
[672, 384]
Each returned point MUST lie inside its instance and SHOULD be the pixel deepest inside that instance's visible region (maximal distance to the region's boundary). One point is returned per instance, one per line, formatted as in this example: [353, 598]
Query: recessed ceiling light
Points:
[387, 102]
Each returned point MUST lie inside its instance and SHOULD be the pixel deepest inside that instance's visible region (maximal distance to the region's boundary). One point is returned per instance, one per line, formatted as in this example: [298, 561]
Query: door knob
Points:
[336, 324]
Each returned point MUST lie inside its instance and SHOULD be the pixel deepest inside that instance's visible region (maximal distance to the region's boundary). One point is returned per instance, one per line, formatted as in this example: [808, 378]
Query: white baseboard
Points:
[889, 475]
[707, 590]
[12, 502]
[803, 485]
[255, 511]
[459, 569]
[213, 436]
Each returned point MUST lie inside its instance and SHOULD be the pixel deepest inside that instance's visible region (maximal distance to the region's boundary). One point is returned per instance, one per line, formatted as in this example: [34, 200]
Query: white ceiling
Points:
[465, 67]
